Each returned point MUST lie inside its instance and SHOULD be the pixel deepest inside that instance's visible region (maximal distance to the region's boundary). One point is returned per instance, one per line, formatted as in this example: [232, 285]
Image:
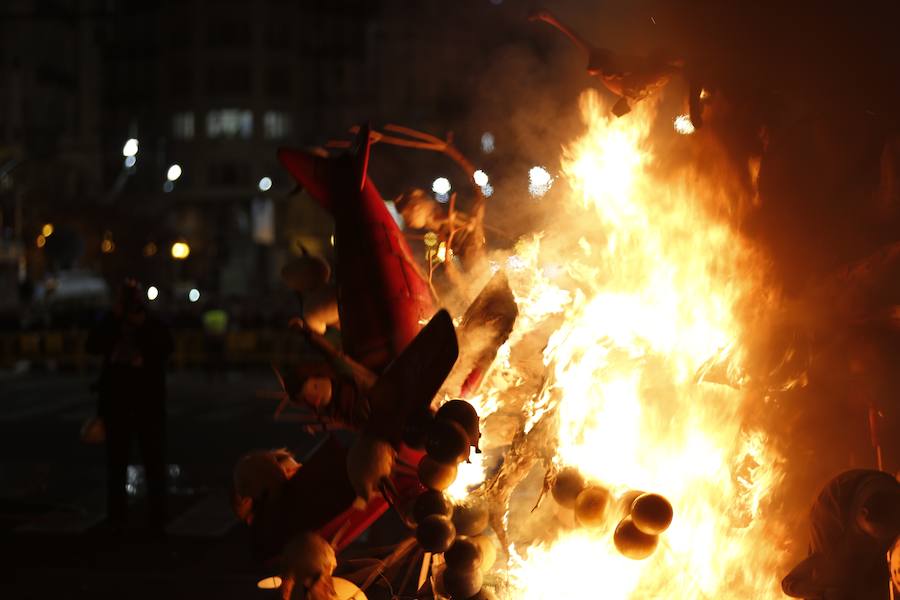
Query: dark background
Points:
[810, 89]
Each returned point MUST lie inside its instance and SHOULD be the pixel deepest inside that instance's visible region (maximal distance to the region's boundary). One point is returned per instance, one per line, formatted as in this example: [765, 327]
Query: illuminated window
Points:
[183, 125]
[229, 123]
[276, 125]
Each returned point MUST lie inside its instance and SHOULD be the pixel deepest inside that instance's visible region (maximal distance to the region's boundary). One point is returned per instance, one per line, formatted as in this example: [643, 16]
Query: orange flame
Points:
[649, 290]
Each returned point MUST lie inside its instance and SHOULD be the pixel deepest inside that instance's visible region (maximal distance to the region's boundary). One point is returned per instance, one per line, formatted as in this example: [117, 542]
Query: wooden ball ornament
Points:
[633, 543]
[347, 590]
[447, 442]
[590, 506]
[484, 594]
[465, 415]
[470, 519]
[488, 551]
[626, 501]
[566, 487]
[464, 554]
[435, 533]
[652, 513]
[431, 502]
[435, 475]
[462, 585]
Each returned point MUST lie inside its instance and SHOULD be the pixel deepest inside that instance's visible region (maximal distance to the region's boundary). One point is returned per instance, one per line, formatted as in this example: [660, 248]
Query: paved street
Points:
[52, 490]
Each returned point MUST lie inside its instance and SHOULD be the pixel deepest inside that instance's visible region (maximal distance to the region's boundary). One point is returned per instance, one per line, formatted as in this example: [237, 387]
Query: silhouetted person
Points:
[853, 523]
[132, 394]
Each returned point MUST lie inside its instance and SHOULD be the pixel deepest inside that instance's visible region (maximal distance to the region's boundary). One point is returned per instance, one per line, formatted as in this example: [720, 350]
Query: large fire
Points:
[637, 285]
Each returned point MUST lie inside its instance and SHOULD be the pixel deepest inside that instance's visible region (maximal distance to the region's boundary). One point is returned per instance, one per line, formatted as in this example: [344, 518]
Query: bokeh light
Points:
[539, 181]
[130, 148]
[180, 250]
[487, 142]
[683, 125]
[441, 185]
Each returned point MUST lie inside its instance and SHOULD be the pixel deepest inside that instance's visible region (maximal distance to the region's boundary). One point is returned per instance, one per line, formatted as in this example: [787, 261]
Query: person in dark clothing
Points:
[132, 396]
[853, 523]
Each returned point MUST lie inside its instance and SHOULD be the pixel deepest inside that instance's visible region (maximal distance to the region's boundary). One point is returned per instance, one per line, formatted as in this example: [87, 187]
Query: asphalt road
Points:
[52, 535]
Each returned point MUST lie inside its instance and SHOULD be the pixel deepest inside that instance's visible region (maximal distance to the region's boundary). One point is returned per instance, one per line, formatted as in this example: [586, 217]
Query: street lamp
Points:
[130, 148]
[180, 250]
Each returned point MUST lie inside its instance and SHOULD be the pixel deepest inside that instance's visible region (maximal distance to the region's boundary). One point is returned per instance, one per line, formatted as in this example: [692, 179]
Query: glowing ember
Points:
[648, 293]
[539, 181]
[683, 125]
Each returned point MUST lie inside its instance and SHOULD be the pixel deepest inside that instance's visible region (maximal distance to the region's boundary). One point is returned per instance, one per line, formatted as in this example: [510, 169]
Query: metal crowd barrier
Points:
[66, 349]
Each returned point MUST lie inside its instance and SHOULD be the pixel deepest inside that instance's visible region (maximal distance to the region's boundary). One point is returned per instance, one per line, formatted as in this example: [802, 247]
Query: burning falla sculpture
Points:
[630, 78]
[381, 384]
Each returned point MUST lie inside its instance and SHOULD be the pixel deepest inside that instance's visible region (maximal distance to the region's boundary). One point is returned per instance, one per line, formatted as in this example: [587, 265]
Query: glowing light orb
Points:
[152, 293]
[539, 181]
[130, 161]
[480, 177]
[683, 125]
[194, 295]
[441, 186]
[180, 250]
[269, 583]
[487, 142]
[174, 172]
[130, 148]
[265, 184]
[47, 230]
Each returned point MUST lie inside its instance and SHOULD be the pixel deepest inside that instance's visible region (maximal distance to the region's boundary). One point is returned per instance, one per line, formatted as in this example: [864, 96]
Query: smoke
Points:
[800, 135]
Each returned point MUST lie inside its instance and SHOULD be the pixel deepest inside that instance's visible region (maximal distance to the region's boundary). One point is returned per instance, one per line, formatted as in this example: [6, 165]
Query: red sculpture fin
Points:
[311, 171]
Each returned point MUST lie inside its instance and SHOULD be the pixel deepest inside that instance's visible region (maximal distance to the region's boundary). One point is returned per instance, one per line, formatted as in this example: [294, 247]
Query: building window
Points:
[279, 34]
[229, 33]
[229, 123]
[228, 79]
[180, 81]
[226, 174]
[276, 125]
[183, 125]
[278, 82]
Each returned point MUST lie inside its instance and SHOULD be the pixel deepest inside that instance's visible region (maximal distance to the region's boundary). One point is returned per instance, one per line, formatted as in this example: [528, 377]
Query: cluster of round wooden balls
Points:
[456, 531]
[646, 516]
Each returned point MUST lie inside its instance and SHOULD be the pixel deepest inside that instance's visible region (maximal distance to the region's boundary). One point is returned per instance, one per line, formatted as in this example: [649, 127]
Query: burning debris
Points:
[630, 78]
[609, 362]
